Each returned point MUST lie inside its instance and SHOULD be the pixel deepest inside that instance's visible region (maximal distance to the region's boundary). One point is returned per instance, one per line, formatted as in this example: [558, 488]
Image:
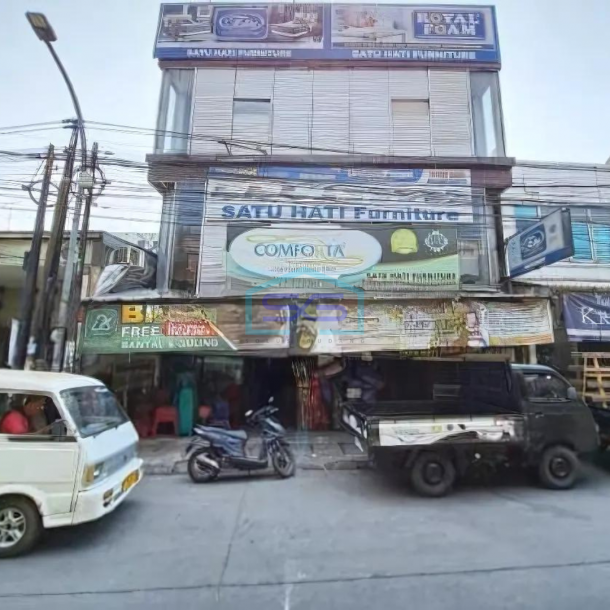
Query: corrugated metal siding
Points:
[408, 84]
[213, 256]
[369, 112]
[330, 128]
[292, 110]
[450, 113]
[411, 127]
[213, 110]
[254, 84]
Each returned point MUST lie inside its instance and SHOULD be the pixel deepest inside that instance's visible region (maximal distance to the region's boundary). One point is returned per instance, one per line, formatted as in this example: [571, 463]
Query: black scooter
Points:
[212, 449]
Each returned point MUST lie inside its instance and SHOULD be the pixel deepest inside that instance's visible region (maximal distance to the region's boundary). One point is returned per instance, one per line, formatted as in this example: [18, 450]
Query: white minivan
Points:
[68, 454]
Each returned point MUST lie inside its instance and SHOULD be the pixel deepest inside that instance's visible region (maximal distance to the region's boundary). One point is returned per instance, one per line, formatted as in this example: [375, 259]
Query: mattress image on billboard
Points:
[262, 26]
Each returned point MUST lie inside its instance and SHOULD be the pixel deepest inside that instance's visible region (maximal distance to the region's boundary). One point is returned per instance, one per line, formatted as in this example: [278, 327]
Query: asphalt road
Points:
[326, 540]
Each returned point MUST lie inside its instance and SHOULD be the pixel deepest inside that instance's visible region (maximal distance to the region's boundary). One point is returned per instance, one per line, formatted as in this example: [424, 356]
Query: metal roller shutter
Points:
[369, 111]
[292, 109]
[330, 128]
[213, 110]
[450, 113]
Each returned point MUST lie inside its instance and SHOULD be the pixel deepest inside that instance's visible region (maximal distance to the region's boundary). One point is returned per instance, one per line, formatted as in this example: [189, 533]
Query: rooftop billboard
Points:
[328, 33]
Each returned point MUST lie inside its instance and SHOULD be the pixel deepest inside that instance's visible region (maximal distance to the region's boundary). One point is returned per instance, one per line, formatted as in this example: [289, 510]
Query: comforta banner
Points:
[391, 257]
[130, 328]
[426, 325]
[587, 316]
[328, 32]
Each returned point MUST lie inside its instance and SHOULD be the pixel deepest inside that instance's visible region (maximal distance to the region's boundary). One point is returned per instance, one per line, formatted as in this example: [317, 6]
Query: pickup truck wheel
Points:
[558, 468]
[432, 474]
[20, 526]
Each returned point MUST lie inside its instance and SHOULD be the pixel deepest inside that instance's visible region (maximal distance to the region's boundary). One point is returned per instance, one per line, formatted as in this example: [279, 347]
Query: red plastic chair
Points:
[164, 415]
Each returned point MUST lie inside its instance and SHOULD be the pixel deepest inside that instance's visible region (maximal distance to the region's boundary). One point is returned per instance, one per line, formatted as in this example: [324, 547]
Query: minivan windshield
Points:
[93, 409]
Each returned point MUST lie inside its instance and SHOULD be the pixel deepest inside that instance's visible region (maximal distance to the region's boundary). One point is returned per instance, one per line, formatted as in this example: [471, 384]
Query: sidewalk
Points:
[313, 451]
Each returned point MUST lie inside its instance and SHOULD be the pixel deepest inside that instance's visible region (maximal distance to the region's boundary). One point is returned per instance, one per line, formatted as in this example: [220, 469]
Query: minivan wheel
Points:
[432, 474]
[558, 468]
[20, 526]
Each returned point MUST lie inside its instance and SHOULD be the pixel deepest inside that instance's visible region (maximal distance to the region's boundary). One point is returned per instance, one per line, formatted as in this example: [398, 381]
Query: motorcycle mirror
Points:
[248, 413]
[271, 400]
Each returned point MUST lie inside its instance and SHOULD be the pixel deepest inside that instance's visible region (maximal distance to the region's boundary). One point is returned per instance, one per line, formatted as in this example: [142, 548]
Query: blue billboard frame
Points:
[428, 50]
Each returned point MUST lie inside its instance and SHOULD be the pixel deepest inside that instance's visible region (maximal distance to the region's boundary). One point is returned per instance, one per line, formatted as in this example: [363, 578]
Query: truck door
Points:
[552, 416]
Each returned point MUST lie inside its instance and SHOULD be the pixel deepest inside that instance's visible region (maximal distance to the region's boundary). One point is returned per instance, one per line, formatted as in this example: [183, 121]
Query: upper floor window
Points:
[590, 230]
[411, 127]
[251, 123]
[487, 114]
[175, 105]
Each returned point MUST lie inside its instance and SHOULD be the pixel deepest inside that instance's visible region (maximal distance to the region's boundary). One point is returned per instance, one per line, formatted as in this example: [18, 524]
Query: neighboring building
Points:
[102, 249]
[579, 286]
[345, 157]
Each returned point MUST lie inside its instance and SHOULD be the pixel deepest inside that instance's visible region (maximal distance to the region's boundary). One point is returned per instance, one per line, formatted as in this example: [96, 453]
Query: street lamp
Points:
[44, 31]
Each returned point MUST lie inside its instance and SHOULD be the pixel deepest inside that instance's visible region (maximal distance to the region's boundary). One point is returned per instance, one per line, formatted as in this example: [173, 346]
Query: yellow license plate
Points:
[131, 480]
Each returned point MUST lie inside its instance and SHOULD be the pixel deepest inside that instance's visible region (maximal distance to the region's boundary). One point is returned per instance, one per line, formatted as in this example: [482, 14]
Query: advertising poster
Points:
[427, 325]
[394, 257]
[587, 316]
[326, 194]
[116, 329]
[328, 32]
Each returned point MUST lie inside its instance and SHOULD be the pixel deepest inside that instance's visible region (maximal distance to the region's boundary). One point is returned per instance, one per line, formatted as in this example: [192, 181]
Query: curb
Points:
[180, 467]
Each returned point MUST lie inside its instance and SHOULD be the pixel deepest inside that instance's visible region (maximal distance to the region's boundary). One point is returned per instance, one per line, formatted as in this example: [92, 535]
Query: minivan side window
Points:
[542, 386]
[26, 414]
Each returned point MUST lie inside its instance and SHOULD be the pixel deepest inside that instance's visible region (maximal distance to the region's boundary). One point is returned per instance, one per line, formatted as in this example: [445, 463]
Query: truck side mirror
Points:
[572, 393]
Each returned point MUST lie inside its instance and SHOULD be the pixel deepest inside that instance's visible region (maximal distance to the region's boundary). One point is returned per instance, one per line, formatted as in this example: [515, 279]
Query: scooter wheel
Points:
[284, 462]
[199, 471]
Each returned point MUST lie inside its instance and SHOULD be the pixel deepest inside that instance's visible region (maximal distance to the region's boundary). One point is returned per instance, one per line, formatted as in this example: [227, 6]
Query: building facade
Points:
[316, 158]
[579, 286]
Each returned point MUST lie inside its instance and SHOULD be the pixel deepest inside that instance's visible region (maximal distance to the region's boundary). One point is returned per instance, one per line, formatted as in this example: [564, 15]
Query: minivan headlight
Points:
[94, 473]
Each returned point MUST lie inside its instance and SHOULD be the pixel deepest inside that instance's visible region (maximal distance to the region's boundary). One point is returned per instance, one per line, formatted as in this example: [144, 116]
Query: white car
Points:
[68, 454]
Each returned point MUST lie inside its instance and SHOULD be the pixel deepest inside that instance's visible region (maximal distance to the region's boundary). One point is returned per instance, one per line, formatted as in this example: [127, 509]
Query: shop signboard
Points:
[587, 316]
[390, 257]
[276, 32]
[544, 243]
[326, 194]
[142, 328]
[428, 325]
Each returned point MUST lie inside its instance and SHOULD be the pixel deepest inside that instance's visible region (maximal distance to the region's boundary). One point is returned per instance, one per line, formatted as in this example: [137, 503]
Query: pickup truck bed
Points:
[422, 423]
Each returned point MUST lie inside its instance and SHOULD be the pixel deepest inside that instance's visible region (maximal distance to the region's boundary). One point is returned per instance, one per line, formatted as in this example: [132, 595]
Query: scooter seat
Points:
[240, 434]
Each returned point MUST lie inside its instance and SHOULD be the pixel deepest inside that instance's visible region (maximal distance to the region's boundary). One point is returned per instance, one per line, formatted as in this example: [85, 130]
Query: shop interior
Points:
[166, 394]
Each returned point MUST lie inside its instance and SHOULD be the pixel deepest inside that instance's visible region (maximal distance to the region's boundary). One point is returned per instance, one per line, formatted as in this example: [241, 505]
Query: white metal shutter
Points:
[330, 111]
[213, 272]
[213, 110]
[253, 127]
[369, 111]
[450, 113]
[411, 127]
[292, 107]
[408, 84]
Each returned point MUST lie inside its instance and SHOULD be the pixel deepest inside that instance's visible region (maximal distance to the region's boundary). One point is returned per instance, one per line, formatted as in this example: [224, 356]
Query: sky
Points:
[554, 79]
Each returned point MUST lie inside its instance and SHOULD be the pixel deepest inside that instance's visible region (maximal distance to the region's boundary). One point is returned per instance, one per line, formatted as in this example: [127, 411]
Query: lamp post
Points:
[45, 32]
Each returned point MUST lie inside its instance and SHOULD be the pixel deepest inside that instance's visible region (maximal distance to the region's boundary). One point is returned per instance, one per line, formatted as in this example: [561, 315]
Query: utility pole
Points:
[60, 331]
[39, 329]
[28, 295]
[75, 297]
